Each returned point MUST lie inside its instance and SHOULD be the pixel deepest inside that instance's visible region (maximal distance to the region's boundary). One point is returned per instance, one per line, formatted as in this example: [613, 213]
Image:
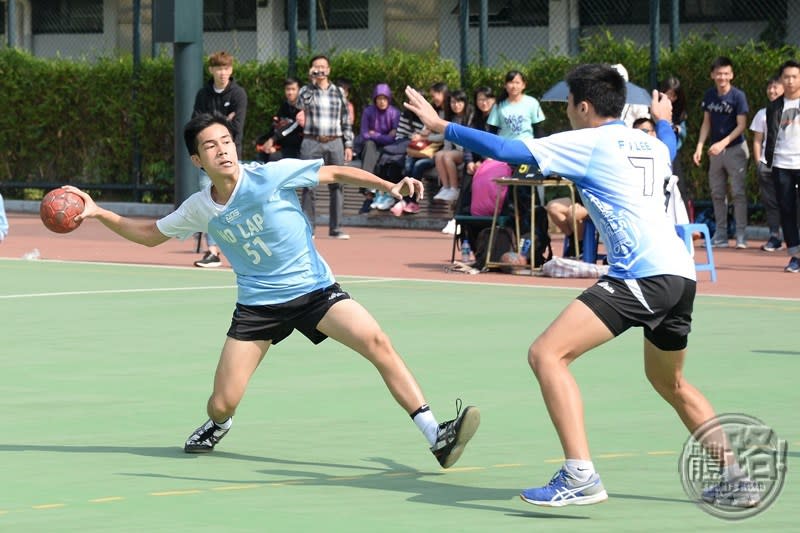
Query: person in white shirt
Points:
[766, 184]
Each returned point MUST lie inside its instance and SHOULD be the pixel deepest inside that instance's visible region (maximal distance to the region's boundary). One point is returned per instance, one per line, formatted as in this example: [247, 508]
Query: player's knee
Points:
[222, 405]
[536, 358]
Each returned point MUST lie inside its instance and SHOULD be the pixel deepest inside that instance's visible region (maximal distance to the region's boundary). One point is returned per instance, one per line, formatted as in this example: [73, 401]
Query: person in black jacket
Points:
[285, 135]
[782, 153]
[224, 96]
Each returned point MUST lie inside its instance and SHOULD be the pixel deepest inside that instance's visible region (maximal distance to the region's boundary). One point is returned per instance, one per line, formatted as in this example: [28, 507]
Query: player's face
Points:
[221, 75]
[577, 113]
[722, 77]
[790, 78]
[290, 92]
[216, 151]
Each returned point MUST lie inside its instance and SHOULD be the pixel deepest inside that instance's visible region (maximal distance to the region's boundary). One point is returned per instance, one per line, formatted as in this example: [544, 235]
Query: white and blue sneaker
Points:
[564, 489]
[742, 492]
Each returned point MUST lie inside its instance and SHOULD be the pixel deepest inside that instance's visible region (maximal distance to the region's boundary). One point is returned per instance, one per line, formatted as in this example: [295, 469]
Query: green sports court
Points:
[106, 369]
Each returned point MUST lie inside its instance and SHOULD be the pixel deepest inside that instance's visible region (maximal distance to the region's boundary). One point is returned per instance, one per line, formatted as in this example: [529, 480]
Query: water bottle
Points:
[466, 251]
[525, 249]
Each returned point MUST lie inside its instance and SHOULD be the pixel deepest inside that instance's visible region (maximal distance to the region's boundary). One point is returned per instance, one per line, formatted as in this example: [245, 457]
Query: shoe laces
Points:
[561, 475]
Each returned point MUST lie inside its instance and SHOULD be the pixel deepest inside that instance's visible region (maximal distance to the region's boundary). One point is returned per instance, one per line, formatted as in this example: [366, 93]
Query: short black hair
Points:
[721, 61]
[291, 80]
[642, 120]
[789, 63]
[200, 122]
[600, 85]
[319, 56]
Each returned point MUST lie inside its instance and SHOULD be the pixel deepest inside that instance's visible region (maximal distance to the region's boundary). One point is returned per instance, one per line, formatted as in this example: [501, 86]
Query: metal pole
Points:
[655, 40]
[291, 19]
[463, 19]
[188, 80]
[312, 25]
[11, 23]
[674, 25]
[137, 67]
[483, 33]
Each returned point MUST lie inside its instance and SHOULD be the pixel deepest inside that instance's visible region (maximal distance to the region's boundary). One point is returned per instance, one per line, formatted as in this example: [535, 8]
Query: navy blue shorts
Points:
[662, 305]
[276, 322]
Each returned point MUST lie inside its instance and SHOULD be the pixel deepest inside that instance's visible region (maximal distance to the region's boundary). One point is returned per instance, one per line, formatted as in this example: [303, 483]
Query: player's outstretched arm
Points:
[361, 178]
[145, 233]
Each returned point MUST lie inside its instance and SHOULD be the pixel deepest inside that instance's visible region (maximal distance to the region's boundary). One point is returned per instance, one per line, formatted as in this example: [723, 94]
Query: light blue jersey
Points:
[261, 230]
[620, 174]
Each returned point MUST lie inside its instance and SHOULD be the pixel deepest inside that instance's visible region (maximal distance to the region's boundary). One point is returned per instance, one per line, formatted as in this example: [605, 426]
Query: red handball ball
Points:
[58, 210]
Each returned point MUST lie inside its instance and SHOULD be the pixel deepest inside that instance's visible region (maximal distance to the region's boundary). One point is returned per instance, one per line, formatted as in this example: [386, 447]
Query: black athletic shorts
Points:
[662, 305]
[276, 322]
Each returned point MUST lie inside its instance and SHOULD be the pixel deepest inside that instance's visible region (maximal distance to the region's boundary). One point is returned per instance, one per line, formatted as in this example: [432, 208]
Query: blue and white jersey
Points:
[620, 174]
[261, 230]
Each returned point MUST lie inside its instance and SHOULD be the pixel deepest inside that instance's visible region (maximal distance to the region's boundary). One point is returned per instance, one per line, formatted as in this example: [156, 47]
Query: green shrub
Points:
[89, 116]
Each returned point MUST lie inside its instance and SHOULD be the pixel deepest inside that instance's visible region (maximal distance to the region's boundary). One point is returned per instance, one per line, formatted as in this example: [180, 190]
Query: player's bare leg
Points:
[349, 323]
[576, 330]
[664, 370]
[237, 363]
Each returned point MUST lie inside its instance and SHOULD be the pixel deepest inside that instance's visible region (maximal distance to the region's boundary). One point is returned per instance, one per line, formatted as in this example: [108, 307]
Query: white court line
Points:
[112, 291]
[376, 279]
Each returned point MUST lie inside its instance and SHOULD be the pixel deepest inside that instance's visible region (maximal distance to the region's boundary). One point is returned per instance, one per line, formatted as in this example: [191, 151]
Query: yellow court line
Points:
[237, 487]
[108, 499]
[228, 488]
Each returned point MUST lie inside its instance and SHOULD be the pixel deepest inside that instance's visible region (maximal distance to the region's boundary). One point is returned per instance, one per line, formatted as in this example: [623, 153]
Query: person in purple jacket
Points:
[378, 128]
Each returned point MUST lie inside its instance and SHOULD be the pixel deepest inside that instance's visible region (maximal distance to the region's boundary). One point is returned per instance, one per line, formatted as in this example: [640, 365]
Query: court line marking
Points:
[289, 482]
[354, 278]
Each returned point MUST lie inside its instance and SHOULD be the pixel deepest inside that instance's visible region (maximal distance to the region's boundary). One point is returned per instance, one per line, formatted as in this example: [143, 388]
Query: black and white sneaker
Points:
[209, 260]
[205, 438]
[454, 435]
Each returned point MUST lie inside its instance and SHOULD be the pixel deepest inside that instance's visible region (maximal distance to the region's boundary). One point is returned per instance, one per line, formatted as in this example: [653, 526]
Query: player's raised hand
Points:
[90, 208]
[408, 187]
[661, 107]
[416, 103]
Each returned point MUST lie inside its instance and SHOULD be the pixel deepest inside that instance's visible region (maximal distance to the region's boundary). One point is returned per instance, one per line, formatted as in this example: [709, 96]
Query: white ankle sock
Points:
[579, 469]
[225, 425]
[426, 422]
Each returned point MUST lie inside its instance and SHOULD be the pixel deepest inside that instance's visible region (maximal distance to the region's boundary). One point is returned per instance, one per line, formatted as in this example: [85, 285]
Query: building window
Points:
[509, 12]
[67, 16]
[612, 12]
[332, 14]
[229, 15]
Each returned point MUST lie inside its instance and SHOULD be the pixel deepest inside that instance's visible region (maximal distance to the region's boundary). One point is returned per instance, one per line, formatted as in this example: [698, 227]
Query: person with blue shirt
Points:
[724, 123]
[619, 172]
[283, 283]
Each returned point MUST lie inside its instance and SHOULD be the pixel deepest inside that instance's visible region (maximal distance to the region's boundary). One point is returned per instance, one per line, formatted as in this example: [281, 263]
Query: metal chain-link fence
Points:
[495, 30]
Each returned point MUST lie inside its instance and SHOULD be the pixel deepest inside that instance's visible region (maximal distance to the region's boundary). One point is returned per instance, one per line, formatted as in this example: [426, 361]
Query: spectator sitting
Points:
[285, 136]
[452, 155]
[391, 162]
[416, 166]
[378, 128]
[484, 100]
